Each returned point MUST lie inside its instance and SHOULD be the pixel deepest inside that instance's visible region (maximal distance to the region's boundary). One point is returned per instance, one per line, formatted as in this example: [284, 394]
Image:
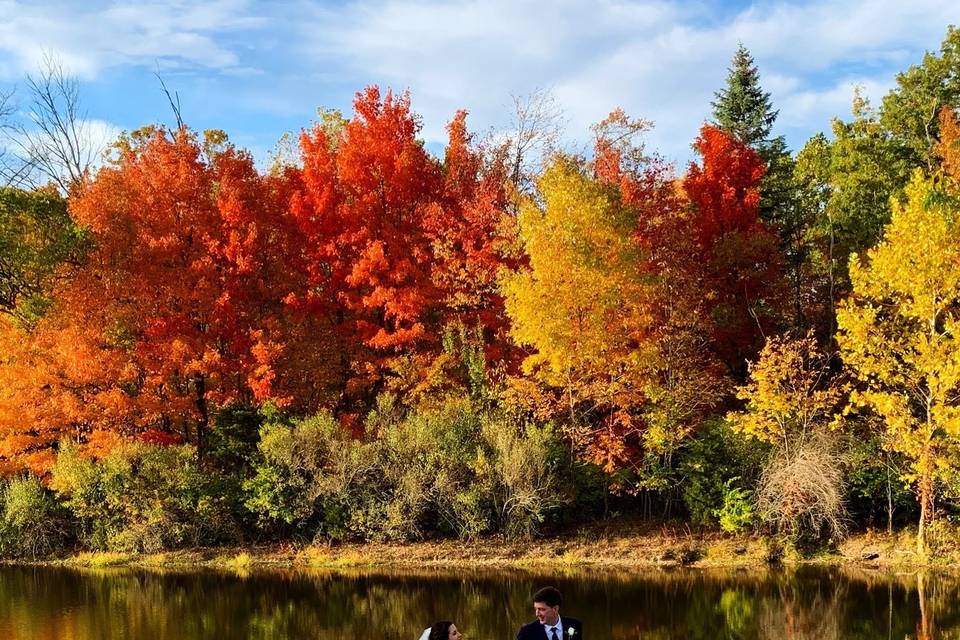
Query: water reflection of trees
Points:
[47, 604]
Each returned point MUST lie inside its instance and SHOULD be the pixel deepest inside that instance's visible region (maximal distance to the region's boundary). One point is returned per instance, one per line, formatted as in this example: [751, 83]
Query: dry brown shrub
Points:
[801, 491]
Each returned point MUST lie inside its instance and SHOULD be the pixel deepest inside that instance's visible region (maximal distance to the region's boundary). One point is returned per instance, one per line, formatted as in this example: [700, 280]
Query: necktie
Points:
[553, 634]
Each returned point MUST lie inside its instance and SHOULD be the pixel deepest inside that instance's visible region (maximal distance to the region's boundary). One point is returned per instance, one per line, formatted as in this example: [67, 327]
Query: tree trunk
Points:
[203, 417]
[889, 499]
[925, 490]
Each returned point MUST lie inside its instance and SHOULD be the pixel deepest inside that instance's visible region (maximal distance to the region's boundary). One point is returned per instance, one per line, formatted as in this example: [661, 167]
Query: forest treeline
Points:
[366, 341]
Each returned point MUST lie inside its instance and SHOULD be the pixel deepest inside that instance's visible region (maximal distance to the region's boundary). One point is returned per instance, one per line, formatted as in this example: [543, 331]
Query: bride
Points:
[444, 630]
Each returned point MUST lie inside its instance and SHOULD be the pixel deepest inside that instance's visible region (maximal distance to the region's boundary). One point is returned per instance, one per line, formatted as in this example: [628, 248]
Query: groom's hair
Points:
[549, 596]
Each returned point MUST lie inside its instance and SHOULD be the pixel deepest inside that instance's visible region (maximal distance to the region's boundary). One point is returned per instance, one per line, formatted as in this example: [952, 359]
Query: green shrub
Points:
[453, 468]
[587, 488]
[143, 498]
[232, 445]
[446, 467]
[708, 464]
[527, 462]
[313, 476]
[436, 466]
[737, 513]
[34, 524]
[231, 455]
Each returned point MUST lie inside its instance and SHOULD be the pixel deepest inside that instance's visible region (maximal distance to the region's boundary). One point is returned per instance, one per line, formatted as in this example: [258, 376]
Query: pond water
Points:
[39, 603]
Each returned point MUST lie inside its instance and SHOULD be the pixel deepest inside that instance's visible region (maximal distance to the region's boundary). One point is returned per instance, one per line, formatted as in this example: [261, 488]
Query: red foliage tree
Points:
[737, 251]
[474, 238]
[397, 244]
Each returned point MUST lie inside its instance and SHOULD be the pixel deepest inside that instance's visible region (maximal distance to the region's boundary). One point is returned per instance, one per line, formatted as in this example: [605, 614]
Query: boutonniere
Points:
[571, 632]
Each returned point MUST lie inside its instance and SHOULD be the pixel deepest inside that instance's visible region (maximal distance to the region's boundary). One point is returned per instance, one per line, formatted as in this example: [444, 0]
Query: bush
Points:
[527, 462]
[716, 462]
[446, 467]
[454, 468]
[232, 445]
[801, 492]
[737, 513]
[313, 477]
[33, 524]
[143, 498]
[943, 539]
[437, 467]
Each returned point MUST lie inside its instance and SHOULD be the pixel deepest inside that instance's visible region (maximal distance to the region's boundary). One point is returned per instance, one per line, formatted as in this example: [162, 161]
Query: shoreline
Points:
[584, 550]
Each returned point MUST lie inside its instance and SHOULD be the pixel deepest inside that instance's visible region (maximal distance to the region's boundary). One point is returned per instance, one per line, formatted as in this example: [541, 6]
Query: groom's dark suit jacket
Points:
[536, 631]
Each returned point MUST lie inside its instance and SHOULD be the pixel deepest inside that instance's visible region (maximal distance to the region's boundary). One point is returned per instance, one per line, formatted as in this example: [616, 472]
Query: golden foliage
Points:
[898, 334]
[790, 392]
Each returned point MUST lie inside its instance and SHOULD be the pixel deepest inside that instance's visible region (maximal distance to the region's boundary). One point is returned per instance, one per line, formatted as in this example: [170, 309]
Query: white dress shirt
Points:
[549, 629]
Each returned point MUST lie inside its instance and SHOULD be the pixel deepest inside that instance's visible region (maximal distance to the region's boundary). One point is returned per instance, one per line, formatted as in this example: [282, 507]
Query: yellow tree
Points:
[790, 394]
[900, 338]
[791, 399]
[581, 305]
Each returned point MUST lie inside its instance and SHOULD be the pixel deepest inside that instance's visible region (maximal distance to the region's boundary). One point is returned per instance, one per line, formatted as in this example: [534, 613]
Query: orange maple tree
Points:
[948, 147]
[179, 309]
[474, 238]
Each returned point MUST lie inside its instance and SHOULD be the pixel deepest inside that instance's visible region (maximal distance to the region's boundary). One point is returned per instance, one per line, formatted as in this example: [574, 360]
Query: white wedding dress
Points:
[426, 634]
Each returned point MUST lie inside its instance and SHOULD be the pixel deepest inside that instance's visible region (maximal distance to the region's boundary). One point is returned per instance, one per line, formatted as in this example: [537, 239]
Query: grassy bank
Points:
[586, 549]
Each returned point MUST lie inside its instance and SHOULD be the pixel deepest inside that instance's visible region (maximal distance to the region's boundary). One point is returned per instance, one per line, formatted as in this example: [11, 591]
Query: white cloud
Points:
[807, 107]
[658, 60]
[86, 38]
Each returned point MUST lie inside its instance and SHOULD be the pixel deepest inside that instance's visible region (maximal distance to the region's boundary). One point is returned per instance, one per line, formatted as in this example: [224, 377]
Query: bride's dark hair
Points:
[440, 630]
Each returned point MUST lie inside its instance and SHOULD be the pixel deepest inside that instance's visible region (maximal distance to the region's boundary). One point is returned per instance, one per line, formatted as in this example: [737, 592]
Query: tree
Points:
[7, 109]
[898, 335]
[845, 186]
[682, 380]
[373, 209]
[738, 252]
[55, 143]
[581, 305]
[911, 110]
[37, 238]
[179, 309]
[743, 109]
[791, 400]
[63, 379]
[948, 147]
[617, 344]
[474, 239]
[791, 393]
[534, 134]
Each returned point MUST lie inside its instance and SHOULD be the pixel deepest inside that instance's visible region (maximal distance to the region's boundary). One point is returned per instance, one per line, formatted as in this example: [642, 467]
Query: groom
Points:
[549, 624]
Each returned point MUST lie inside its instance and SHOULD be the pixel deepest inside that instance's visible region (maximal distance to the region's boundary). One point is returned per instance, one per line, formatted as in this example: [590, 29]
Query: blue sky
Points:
[258, 69]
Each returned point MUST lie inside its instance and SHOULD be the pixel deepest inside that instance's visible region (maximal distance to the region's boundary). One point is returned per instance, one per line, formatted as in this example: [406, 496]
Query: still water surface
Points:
[62, 604]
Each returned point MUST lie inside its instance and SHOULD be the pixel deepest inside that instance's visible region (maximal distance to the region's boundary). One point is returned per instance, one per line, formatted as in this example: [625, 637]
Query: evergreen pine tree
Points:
[743, 109]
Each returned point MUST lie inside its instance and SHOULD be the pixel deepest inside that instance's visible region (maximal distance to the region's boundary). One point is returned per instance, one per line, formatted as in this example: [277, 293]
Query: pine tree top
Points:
[743, 107]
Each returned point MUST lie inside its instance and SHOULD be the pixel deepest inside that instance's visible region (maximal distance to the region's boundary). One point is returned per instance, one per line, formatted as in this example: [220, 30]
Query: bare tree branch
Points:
[6, 126]
[174, 100]
[53, 142]
[535, 134]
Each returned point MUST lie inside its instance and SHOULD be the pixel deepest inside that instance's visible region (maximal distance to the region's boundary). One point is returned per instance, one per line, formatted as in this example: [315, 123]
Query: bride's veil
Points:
[426, 634]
